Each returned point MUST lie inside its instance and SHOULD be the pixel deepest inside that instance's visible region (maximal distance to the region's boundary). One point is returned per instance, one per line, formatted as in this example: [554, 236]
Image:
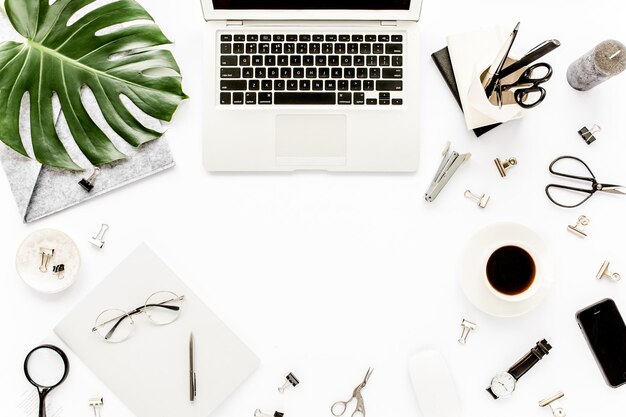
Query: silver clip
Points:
[98, 240]
[96, 404]
[59, 271]
[481, 200]
[259, 413]
[578, 230]
[588, 134]
[291, 381]
[504, 166]
[555, 404]
[449, 164]
[604, 272]
[468, 326]
[46, 255]
[87, 183]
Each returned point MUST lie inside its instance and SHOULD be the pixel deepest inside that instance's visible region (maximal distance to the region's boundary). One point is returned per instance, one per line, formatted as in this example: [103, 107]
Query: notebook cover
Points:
[149, 372]
[444, 65]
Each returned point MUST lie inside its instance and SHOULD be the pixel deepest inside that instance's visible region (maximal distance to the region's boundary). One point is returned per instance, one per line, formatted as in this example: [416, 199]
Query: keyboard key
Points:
[396, 61]
[244, 60]
[340, 48]
[266, 85]
[370, 38]
[383, 38]
[348, 73]
[318, 85]
[344, 98]
[359, 61]
[264, 48]
[392, 72]
[290, 48]
[239, 48]
[298, 72]
[224, 97]
[304, 98]
[248, 72]
[295, 60]
[318, 38]
[265, 98]
[371, 101]
[343, 85]
[229, 85]
[250, 98]
[277, 48]
[270, 60]
[239, 38]
[393, 48]
[327, 48]
[311, 72]
[396, 38]
[308, 60]
[278, 38]
[368, 85]
[384, 60]
[237, 98]
[282, 60]
[353, 48]
[285, 73]
[252, 38]
[378, 48]
[384, 102]
[331, 38]
[396, 101]
[226, 48]
[305, 38]
[371, 60]
[384, 96]
[230, 72]
[292, 38]
[251, 48]
[330, 85]
[305, 85]
[344, 38]
[365, 48]
[374, 72]
[389, 85]
[320, 60]
[302, 48]
[257, 60]
[266, 38]
[315, 48]
[323, 72]
[279, 85]
[228, 61]
[253, 85]
[292, 85]
[272, 72]
[359, 98]
[346, 60]
[336, 72]
[357, 38]
[355, 85]
[259, 73]
[333, 60]
[361, 72]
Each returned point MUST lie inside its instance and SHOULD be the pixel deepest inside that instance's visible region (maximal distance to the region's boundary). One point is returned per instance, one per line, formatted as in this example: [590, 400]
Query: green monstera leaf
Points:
[69, 47]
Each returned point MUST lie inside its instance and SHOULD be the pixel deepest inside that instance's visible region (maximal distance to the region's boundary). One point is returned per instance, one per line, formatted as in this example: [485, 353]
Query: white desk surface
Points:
[326, 275]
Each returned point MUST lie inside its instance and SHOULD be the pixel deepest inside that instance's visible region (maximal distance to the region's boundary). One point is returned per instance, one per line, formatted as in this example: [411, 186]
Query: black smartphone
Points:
[605, 331]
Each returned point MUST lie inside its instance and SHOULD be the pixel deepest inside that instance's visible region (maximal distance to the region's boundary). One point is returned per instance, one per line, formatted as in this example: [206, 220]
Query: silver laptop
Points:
[311, 85]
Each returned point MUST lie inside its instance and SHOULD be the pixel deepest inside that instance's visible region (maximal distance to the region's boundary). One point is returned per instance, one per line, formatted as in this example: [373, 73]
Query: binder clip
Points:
[87, 184]
[468, 326]
[46, 255]
[59, 271]
[588, 134]
[97, 240]
[259, 413]
[555, 404]
[504, 166]
[450, 163]
[291, 381]
[604, 272]
[96, 404]
[578, 230]
[481, 200]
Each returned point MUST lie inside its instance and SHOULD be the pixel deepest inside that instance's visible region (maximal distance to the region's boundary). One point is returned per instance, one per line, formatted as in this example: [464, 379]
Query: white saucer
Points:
[28, 261]
[472, 276]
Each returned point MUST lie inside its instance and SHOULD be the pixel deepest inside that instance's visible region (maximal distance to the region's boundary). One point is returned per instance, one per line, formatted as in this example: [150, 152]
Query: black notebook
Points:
[444, 64]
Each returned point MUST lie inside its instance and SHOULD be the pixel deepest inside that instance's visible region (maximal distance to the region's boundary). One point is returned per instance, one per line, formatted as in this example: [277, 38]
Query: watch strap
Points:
[530, 359]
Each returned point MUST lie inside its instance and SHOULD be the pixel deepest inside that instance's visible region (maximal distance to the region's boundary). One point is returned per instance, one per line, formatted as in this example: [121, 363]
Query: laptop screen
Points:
[312, 4]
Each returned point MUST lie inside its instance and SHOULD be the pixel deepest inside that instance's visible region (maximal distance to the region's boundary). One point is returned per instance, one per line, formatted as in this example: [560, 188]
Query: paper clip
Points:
[96, 404]
[59, 271]
[259, 413]
[588, 134]
[450, 163]
[98, 240]
[604, 272]
[578, 230]
[467, 326]
[555, 404]
[291, 381]
[504, 166]
[87, 183]
[481, 200]
[46, 255]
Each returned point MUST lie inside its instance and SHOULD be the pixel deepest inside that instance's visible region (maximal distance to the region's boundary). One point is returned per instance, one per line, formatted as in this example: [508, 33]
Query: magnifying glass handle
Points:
[42, 402]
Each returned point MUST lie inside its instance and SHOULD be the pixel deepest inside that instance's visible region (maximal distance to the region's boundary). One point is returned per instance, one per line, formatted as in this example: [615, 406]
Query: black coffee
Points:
[511, 270]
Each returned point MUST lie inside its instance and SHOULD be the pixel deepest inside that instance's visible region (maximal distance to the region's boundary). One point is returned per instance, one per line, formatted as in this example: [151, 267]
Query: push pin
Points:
[97, 240]
[87, 184]
[46, 255]
[588, 134]
[481, 200]
[59, 271]
[291, 381]
[96, 404]
[555, 404]
[468, 326]
[259, 413]
[505, 165]
[579, 228]
[604, 272]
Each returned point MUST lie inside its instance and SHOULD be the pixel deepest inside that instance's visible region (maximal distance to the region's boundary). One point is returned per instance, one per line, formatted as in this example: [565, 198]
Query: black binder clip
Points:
[588, 134]
[87, 183]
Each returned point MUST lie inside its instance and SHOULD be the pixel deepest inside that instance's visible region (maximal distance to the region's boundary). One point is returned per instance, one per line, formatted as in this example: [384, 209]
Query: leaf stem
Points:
[4, 12]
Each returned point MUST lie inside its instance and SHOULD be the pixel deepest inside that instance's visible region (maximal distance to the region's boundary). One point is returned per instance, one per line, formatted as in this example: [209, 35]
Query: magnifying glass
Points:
[46, 367]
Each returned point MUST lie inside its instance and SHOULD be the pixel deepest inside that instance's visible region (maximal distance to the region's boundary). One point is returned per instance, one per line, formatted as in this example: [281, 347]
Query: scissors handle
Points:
[339, 408]
[520, 96]
[568, 188]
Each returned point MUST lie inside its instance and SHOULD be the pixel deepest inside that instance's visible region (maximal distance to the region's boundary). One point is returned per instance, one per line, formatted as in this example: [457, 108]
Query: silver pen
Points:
[192, 371]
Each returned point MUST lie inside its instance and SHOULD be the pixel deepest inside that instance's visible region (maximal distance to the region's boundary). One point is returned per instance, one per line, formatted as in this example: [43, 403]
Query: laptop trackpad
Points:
[310, 140]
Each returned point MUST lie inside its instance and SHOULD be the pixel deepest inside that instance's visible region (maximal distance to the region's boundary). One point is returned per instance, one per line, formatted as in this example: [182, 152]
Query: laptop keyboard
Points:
[311, 69]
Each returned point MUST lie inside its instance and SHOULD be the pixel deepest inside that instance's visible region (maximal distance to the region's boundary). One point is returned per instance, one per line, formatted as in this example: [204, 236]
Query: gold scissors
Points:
[339, 408]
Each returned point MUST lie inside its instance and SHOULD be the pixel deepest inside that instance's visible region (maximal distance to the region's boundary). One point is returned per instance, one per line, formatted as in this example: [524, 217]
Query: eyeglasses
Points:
[115, 326]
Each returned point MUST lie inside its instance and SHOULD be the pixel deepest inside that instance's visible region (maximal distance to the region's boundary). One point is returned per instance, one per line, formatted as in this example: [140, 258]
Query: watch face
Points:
[503, 385]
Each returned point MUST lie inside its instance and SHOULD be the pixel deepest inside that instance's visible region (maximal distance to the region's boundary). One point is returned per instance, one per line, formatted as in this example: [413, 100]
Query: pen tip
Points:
[517, 26]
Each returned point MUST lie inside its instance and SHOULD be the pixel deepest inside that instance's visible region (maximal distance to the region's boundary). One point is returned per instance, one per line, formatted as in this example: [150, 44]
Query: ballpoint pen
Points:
[192, 371]
[493, 74]
[532, 55]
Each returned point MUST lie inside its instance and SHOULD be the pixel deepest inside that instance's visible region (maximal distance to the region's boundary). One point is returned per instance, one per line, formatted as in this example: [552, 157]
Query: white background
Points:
[325, 275]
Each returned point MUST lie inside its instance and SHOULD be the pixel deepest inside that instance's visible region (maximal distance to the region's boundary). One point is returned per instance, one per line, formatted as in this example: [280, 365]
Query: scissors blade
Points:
[612, 188]
[367, 377]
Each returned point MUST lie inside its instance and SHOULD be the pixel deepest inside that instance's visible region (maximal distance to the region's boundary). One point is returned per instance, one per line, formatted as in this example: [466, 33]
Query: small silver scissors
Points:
[339, 408]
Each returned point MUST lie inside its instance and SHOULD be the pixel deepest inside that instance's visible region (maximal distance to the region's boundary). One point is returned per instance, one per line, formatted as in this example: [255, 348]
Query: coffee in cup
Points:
[511, 270]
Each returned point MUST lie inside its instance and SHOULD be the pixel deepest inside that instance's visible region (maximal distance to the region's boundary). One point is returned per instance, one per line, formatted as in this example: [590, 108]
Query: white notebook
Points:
[149, 372]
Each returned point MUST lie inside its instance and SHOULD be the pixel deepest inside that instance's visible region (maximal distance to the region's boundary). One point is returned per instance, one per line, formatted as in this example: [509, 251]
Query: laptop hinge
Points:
[388, 23]
[234, 23]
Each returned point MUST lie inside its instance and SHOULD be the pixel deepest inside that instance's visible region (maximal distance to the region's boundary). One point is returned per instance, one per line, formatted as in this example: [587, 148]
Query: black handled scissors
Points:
[595, 185]
[528, 92]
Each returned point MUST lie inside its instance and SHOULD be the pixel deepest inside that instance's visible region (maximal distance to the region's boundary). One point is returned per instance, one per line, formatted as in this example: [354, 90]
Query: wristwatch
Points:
[503, 384]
